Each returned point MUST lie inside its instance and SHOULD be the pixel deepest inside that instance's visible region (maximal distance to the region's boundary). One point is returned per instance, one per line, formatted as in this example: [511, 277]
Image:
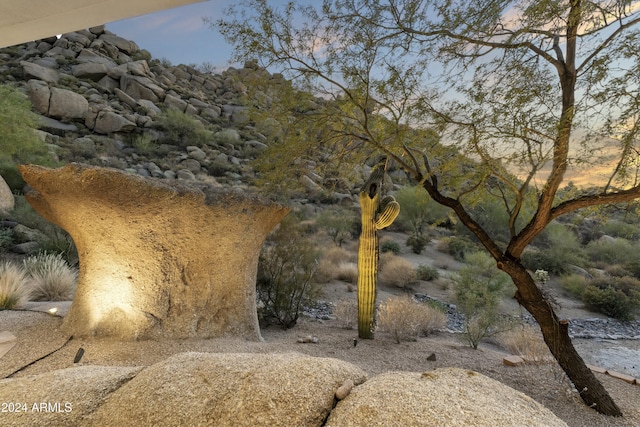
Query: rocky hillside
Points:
[104, 101]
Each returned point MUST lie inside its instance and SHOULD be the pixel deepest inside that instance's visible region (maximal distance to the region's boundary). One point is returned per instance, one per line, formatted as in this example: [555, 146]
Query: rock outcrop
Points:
[157, 258]
[241, 389]
[7, 200]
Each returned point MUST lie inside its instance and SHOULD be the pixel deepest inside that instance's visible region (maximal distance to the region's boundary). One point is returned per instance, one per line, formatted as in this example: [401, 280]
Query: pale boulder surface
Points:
[230, 390]
[60, 398]
[443, 397]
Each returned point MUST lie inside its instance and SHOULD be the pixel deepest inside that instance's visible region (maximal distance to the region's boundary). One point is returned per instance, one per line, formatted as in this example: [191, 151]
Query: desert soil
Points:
[38, 334]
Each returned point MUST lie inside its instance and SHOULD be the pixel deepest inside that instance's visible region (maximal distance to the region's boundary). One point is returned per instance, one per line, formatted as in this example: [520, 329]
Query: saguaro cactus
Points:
[377, 213]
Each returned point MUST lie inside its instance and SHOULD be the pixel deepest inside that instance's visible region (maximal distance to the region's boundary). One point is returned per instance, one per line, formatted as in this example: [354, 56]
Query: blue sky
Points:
[179, 34]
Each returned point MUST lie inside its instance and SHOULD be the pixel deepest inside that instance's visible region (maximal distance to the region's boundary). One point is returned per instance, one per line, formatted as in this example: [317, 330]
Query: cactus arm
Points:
[389, 213]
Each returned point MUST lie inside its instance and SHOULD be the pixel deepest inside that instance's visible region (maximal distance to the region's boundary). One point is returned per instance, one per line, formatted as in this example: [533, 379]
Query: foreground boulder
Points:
[289, 389]
[444, 397]
[157, 258]
[194, 389]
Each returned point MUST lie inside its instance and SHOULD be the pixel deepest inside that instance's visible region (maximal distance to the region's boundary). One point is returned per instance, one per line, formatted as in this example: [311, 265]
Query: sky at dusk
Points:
[180, 34]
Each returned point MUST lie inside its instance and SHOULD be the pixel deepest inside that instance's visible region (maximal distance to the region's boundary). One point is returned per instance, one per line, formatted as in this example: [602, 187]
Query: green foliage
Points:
[286, 269]
[390, 246]
[14, 286]
[181, 129]
[574, 284]
[612, 251]
[621, 229]
[339, 224]
[57, 240]
[557, 249]
[19, 143]
[427, 273]
[458, 246]
[478, 288]
[418, 210]
[417, 243]
[617, 297]
[143, 144]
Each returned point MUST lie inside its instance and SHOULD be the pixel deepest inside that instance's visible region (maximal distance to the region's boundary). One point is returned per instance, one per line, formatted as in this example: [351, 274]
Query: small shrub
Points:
[525, 341]
[617, 297]
[143, 144]
[612, 251]
[346, 313]
[338, 224]
[406, 319]
[347, 272]
[427, 273]
[390, 246]
[557, 249]
[181, 129]
[385, 257]
[14, 286]
[398, 272]
[417, 243]
[621, 229]
[457, 247]
[336, 255]
[575, 284]
[52, 278]
[478, 287]
[286, 275]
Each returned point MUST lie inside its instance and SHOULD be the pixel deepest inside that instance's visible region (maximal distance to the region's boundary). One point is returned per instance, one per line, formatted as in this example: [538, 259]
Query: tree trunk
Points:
[556, 336]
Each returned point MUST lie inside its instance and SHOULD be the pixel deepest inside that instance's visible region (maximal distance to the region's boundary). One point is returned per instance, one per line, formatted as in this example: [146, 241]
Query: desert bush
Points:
[457, 246]
[417, 243]
[612, 251]
[347, 272]
[418, 210]
[143, 144]
[19, 143]
[617, 297]
[52, 278]
[557, 249]
[478, 288]
[621, 229]
[427, 273]
[406, 319]
[338, 224]
[385, 257]
[181, 129]
[14, 286]
[336, 255]
[617, 270]
[575, 284]
[398, 272]
[286, 274]
[227, 136]
[346, 313]
[525, 341]
[389, 245]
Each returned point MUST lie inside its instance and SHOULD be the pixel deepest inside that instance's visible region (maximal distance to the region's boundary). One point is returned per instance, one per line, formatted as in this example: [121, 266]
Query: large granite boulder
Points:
[157, 258]
[248, 389]
[230, 390]
[444, 397]
[60, 398]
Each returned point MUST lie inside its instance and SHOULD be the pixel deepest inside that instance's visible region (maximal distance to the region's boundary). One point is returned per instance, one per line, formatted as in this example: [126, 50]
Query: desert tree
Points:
[499, 99]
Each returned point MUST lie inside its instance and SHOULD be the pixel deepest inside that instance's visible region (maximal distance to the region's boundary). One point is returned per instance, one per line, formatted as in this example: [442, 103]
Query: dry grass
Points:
[525, 341]
[346, 313]
[14, 286]
[52, 278]
[337, 255]
[398, 272]
[406, 319]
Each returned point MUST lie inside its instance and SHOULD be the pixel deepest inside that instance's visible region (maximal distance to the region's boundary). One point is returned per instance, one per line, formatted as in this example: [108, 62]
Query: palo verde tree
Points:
[506, 98]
